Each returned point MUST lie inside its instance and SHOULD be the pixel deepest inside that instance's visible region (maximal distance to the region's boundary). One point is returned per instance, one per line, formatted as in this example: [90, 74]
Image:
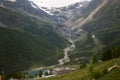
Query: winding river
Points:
[66, 58]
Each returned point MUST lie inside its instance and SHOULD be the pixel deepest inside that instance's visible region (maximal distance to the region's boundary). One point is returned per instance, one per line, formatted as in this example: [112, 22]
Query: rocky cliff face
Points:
[61, 14]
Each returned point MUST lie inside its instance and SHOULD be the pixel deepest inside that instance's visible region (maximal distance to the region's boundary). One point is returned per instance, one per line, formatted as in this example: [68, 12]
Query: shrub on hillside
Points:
[83, 65]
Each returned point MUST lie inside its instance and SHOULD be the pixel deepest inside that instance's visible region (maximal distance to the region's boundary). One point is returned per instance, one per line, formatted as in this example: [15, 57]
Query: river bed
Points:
[69, 48]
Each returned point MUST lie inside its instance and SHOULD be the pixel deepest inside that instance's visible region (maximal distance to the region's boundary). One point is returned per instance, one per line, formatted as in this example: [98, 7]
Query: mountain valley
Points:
[82, 34]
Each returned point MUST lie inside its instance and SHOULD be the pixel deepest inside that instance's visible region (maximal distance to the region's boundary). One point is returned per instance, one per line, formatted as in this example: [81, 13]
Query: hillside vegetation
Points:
[105, 25]
[101, 33]
[97, 71]
[26, 42]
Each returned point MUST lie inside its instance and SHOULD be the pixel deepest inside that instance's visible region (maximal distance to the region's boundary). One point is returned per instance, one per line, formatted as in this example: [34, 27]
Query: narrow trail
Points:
[66, 58]
[90, 16]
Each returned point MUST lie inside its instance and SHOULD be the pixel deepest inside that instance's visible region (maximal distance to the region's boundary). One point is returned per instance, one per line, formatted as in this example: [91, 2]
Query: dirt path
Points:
[90, 16]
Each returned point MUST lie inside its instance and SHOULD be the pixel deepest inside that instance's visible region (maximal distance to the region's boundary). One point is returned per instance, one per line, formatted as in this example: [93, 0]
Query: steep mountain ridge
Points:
[90, 16]
[61, 14]
[26, 41]
[26, 7]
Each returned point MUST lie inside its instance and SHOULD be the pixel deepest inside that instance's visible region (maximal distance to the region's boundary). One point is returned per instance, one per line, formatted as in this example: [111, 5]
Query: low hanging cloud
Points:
[55, 3]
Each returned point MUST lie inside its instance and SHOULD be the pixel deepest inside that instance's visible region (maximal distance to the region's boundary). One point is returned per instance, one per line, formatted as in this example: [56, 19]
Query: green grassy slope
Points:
[113, 75]
[99, 69]
[105, 24]
[26, 41]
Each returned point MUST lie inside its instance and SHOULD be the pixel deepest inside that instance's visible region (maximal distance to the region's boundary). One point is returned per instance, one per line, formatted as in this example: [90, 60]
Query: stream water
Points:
[69, 48]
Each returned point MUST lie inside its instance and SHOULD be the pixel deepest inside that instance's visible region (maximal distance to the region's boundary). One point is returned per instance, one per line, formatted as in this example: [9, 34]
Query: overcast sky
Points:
[55, 3]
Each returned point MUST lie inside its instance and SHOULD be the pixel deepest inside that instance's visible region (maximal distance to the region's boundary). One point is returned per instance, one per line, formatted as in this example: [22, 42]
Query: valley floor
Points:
[98, 71]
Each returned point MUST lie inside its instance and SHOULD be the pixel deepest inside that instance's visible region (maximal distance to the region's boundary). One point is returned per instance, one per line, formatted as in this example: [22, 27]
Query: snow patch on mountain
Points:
[63, 13]
[79, 6]
[60, 11]
[33, 4]
[47, 10]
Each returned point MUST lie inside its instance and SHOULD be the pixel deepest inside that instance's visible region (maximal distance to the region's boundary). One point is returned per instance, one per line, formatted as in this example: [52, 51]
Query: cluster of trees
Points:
[107, 55]
[110, 54]
[14, 75]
